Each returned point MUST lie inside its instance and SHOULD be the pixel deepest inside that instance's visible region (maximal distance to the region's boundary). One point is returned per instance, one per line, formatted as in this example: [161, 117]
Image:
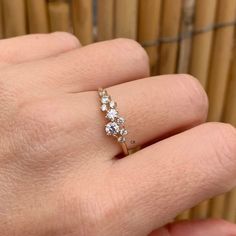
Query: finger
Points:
[36, 46]
[97, 65]
[197, 228]
[153, 108]
[158, 182]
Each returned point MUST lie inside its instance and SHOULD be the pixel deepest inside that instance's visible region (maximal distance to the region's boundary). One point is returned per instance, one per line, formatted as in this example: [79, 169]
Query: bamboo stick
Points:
[59, 16]
[199, 61]
[105, 19]
[186, 30]
[148, 28]
[169, 31]
[218, 74]
[184, 216]
[14, 14]
[220, 59]
[37, 16]
[230, 116]
[1, 21]
[201, 45]
[126, 18]
[82, 15]
[200, 211]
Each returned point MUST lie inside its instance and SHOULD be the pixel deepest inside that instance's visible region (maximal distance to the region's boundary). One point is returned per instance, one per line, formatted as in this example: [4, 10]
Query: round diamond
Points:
[120, 120]
[121, 139]
[103, 107]
[112, 114]
[123, 132]
[112, 128]
[105, 99]
[112, 104]
[102, 92]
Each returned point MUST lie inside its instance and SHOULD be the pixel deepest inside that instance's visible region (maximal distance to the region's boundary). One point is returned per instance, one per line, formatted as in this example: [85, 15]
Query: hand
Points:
[58, 171]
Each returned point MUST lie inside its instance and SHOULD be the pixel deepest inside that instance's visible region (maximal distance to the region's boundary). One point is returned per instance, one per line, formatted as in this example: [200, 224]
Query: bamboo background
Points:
[180, 36]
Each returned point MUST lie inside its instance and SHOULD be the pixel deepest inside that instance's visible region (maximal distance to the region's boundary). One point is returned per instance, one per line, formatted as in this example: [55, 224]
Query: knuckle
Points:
[196, 96]
[134, 48]
[39, 118]
[67, 38]
[225, 146]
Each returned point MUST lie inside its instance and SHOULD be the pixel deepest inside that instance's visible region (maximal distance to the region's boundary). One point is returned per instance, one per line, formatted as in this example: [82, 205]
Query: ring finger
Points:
[154, 108]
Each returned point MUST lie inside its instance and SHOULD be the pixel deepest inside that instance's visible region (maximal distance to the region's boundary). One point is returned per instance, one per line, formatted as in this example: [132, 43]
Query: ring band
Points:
[115, 127]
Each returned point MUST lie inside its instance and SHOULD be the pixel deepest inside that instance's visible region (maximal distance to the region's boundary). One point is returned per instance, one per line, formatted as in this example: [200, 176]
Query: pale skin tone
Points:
[58, 171]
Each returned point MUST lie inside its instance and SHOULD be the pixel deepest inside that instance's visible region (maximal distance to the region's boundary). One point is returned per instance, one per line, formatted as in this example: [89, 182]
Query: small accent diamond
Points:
[105, 99]
[112, 104]
[120, 120]
[121, 139]
[112, 128]
[103, 107]
[123, 132]
[102, 93]
[112, 114]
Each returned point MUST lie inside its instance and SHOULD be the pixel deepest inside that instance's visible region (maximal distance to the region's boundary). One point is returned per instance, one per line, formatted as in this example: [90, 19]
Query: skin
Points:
[59, 175]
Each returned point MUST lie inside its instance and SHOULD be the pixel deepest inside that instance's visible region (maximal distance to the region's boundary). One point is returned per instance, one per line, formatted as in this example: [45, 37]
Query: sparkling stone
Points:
[102, 92]
[103, 107]
[112, 104]
[112, 128]
[123, 132]
[105, 99]
[112, 114]
[120, 120]
[121, 139]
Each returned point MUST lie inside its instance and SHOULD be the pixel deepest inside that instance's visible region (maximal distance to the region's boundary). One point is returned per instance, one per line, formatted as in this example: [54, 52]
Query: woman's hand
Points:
[58, 174]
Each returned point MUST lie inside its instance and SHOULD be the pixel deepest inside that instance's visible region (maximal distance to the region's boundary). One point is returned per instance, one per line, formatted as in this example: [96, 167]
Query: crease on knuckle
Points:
[134, 48]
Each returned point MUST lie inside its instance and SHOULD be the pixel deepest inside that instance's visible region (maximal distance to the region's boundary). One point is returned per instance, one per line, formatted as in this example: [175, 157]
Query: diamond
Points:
[103, 107]
[120, 120]
[112, 128]
[121, 139]
[112, 114]
[102, 92]
[123, 132]
[105, 99]
[112, 104]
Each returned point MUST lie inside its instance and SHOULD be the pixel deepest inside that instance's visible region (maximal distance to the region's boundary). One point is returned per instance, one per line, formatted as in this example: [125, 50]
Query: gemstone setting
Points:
[112, 128]
[115, 127]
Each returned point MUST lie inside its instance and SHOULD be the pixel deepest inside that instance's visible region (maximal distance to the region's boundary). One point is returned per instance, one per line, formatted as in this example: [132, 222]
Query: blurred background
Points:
[180, 36]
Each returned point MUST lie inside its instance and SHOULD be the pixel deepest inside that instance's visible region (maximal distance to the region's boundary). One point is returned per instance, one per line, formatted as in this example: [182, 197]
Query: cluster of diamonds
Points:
[115, 127]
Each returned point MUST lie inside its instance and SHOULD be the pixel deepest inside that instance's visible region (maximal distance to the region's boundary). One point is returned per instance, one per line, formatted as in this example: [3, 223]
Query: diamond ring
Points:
[115, 127]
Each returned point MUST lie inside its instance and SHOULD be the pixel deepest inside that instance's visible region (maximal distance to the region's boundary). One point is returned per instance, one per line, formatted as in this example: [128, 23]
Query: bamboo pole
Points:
[186, 30]
[220, 59]
[1, 21]
[200, 211]
[230, 116]
[148, 29]
[184, 216]
[37, 16]
[201, 45]
[199, 62]
[126, 18]
[218, 74]
[59, 16]
[82, 15]
[170, 23]
[105, 19]
[14, 14]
